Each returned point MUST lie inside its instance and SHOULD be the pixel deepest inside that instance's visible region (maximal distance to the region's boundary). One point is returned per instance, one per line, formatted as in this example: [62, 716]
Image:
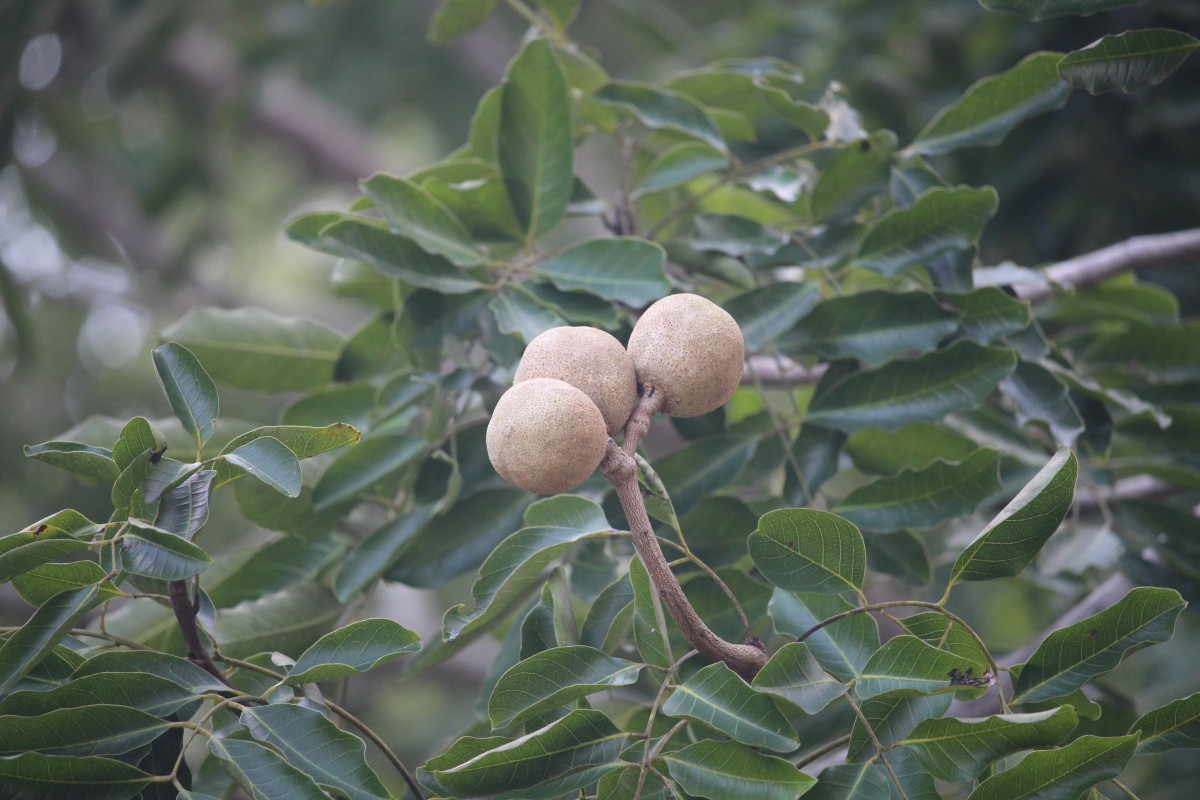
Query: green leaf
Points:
[313, 745]
[960, 749]
[394, 255]
[262, 772]
[156, 553]
[730, 771]
[510, 571]
[1061, 774]
[914, 446]
[1071, 656]
[85, 731]
[993, 106]
[901, 554]
[43, 582]
[795, 675]
[376, 554]
[1040, 395]
[1017, 533]
[874, 326]
[851, 782]
[460, 539]
[700, 469]
[678, 165]
[568, 511]
[717, 697]
[609, 617]
[305, 441]
[27, 646]
[34, 775]
[460, 752]
[358, 647]
[183, 510]
[289, 621]
[892, 716]
[145, 692]
[922, 498]
[855, 173]
[925, 389]
[413, 213]
[474, 191]
[455, 18]
[582, 739]
[765, 314]
[1175, 725]
[553, 678]
[941, 221]
[622, 269]
[518, 313]
[163, 665]
[801, 549]
[253, 572]
[144, 481]
[1147, 353]
[533, 142]
[253, 349]
[270, 461]
[372, 460]
[843, 647]
[650, 634]
[931, 628]
[906, 662]
[136, 437]
[91, 463]
[989, 313]
[50, 539]
[190, 390]
[575, 307]
[1041, 9]
[622, 784]
[663, 109]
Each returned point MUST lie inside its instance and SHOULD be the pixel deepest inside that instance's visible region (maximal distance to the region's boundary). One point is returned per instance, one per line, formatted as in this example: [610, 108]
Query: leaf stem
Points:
[1124, 789]
[879, 748]
[658, 698]
[823, 750]
[391, 756]
[108, 637]
[536, 21]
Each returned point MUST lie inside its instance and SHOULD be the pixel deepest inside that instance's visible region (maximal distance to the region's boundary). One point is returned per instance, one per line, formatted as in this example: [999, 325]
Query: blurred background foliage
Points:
[152, 153]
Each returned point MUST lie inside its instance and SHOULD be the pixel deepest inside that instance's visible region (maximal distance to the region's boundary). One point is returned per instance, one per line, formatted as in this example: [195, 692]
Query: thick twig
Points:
[745, 659]
[185, 615]
[780, 371]
[1180, 247]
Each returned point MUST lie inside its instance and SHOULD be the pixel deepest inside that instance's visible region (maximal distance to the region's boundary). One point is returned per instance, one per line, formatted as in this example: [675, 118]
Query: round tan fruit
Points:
[590, 360]
[546, 436]
[689, 349]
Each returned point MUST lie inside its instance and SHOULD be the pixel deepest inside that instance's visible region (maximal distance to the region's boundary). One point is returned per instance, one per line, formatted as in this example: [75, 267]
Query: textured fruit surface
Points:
[590, 360]
[546, 436]
[689, 349]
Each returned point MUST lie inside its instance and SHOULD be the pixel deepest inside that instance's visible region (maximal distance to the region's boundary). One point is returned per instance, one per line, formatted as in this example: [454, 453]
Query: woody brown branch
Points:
[620, 469]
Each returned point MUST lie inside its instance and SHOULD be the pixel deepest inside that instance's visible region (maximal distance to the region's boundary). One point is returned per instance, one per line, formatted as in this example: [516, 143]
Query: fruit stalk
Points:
[620, 469]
